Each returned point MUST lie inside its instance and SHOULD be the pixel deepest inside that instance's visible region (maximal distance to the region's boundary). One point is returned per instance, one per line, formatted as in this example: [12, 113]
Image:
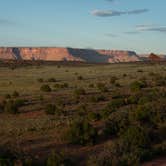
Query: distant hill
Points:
[68, 54]
[152, 57]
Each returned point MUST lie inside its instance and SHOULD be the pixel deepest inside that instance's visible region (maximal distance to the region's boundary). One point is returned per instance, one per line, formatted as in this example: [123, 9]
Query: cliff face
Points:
[68, 54]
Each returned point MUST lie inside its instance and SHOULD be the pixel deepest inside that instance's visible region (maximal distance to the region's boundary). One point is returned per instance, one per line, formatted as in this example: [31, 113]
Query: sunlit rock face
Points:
[68, 54]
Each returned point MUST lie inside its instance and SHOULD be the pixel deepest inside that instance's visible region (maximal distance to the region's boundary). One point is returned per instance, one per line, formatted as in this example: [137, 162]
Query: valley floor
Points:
[84, 113]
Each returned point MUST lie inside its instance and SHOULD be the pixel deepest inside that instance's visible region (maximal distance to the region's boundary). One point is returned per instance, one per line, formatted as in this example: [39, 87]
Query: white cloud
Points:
[110, 13]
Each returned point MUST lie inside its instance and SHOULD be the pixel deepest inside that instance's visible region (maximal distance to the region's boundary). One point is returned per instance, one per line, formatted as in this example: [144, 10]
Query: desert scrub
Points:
[81, 132]
[45, 88]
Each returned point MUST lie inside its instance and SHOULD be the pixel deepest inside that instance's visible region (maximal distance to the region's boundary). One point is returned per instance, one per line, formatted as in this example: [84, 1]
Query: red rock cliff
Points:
[68, 54]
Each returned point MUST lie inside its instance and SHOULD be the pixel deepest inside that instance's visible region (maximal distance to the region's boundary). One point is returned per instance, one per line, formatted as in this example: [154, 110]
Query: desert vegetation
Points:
[82, 114]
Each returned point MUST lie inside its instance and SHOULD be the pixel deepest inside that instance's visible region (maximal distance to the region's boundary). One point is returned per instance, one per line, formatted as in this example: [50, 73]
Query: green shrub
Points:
[65, 85]
[82, 110]
[117, 123]
[117, 84]
[124, 75]
[159, 149]
[7, 96]
[104, 113]
[6, 157]
[91, 85]
[79, 78]
[161, 81]
[51, 109]
[152, 74]
[137, 85]
[81, 132]
[57, 86]
[51, 80]
[144, 99]
[136, 137]
[113, 80]
[140, 71]
[129, 150]
[133, 99]
[79, 91]
[102, 87]
[58, 159]
[40, 80]
[94, 116]
[114, 154]
[15, 94]
[116, 103]
[61, 86]
[144, 114]
[19, 102]
[41, 98]
[97, 98]
[11, 107]
[45, 88]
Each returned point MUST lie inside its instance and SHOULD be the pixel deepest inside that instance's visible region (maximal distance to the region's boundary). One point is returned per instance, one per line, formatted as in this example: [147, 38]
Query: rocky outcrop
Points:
[68, 54]
[154, 57]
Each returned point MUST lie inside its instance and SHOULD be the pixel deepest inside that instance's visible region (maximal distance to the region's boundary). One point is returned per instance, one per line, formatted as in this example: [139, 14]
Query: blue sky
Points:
[137, 25]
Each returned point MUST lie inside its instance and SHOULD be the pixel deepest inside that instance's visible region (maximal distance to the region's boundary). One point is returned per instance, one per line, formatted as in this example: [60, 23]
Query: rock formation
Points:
[67, 54]
[154, 57]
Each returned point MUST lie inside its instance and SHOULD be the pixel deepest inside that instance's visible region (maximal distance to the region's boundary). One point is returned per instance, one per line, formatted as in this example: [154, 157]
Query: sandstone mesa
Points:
[67, 54]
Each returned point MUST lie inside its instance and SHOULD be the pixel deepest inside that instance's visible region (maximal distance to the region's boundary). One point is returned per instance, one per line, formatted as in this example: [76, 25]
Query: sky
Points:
[137, 25]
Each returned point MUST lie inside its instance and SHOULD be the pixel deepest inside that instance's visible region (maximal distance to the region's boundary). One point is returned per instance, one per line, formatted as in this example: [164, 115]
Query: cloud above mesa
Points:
[111, 13]
[147, 28]
[152, 28]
